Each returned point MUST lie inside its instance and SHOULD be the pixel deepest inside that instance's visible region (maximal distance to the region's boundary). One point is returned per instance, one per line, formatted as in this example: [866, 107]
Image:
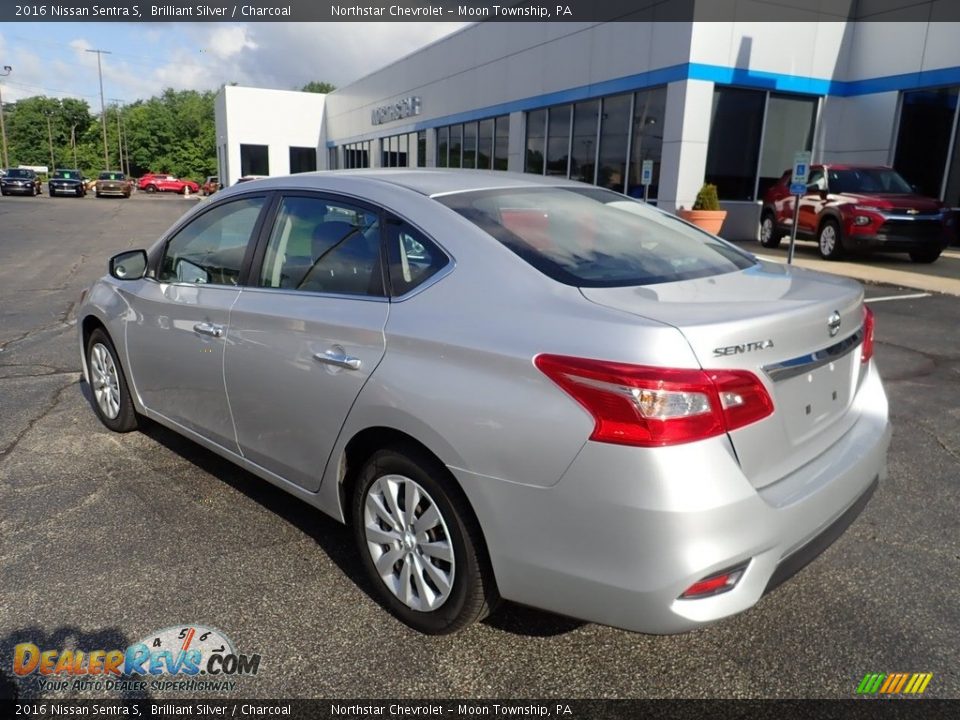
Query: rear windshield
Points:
[18, 173]
[596, 238]
[111, 176]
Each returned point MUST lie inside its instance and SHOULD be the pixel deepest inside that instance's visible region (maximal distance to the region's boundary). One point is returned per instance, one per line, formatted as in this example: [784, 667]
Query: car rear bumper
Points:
[627, 530]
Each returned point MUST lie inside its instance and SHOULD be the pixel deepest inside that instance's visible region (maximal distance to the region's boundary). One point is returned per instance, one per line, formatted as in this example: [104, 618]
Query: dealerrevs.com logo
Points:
[894, 683]
[190, 658]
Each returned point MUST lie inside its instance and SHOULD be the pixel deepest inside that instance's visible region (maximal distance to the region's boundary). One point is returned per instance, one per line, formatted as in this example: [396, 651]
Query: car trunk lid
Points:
[798, 332]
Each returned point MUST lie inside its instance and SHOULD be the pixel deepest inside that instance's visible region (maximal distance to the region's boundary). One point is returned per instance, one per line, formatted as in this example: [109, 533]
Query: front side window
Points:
[321, 245]
[211, 248]
[596, 238]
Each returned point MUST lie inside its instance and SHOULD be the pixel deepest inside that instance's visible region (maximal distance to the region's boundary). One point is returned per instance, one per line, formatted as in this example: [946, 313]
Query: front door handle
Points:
[210, 329]
[338, 357]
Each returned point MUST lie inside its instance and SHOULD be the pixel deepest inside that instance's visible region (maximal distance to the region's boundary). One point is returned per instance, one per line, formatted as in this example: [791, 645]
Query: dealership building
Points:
[723, 102]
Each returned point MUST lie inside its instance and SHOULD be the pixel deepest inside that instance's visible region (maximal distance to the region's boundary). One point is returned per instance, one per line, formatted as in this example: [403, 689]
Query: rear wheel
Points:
[151, 188]
[769, 233]
[111, 398]
[420, 543]
[828, 240]
[926, 255]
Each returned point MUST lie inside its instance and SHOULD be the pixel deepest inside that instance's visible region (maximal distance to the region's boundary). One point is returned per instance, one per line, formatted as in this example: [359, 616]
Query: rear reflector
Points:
[866, 352]
[714, 584]
[653, 406]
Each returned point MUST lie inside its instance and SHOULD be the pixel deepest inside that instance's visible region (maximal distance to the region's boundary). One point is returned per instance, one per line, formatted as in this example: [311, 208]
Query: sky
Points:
[51, 59]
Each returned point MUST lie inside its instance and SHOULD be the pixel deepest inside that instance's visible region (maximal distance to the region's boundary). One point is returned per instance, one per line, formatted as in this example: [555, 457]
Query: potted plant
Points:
[706, 213]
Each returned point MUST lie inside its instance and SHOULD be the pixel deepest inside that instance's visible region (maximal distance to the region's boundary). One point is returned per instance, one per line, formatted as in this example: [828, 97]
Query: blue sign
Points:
[797, 188]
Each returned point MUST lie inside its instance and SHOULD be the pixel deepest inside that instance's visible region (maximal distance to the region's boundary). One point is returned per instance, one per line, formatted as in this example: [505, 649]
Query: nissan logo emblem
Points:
[833, 322]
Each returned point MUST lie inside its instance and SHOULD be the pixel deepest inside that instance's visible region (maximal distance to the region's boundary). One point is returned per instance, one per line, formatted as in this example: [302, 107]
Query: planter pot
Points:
[709, 220]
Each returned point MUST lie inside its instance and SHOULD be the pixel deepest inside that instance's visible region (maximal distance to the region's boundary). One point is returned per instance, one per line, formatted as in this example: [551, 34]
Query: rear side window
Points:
[211, 248]
[323, 245]
[413, 258]
[596, 238]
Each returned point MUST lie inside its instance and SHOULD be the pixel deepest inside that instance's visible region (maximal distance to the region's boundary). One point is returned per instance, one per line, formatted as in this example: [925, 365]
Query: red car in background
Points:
[855, 207]
[166, 183]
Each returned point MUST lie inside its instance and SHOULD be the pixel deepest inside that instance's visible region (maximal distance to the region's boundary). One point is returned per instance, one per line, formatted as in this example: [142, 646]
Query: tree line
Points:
[172, 133]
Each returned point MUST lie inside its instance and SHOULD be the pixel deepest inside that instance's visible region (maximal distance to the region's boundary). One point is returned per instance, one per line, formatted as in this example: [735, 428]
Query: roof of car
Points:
[427, 181]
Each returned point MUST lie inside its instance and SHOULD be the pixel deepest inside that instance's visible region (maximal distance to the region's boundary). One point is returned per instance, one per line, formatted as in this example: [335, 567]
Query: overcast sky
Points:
[51, 59]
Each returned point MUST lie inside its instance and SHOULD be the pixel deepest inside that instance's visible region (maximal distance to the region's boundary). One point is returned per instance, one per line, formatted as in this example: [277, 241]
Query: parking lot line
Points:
[911, 296]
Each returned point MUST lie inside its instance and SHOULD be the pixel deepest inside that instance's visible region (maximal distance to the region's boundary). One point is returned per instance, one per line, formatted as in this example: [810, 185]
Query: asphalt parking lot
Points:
[105, 538]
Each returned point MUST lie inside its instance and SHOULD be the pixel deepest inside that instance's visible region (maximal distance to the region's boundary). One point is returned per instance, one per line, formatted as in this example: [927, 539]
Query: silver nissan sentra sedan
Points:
[509, 386]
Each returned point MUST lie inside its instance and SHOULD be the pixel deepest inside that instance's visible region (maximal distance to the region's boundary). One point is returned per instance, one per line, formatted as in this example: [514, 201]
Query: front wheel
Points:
[769, 233]
[111, 398]
[926, 255]
[420, 543]
[828, 240]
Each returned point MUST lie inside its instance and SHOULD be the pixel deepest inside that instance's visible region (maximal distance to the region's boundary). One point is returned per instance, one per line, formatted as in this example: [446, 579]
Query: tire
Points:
[423, 601]
[770, 235]
[926, 255]
[110, 396]
[98, 195]
[151, 188]
[830, 240]
[52, 193]
[4, 193]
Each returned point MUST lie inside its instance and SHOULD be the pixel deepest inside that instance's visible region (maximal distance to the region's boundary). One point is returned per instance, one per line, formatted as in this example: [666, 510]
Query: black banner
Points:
[474, 10]
[860, 709]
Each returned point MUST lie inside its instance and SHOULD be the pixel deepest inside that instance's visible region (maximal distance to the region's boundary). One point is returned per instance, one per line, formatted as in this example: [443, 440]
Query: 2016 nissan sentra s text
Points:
[509, 386]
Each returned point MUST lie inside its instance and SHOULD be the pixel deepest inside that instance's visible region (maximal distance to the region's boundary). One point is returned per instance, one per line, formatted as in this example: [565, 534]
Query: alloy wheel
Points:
[828, 240]
[106, 382]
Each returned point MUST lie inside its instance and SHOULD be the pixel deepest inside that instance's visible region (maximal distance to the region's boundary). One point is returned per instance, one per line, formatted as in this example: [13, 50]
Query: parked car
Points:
[857, 207]
[166, 183]
[509, 386]
[111, 182]
[67, 182]
[19, 181]
[210, 185]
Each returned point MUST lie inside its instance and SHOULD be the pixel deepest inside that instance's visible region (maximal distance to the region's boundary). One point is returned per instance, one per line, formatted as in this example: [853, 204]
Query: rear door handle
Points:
[205, 328]
[338, 357]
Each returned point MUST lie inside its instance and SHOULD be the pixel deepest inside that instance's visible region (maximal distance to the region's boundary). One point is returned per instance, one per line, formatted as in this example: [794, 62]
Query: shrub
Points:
[707, 198]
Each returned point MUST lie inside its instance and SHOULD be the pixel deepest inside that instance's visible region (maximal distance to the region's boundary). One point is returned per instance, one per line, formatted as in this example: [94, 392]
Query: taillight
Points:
[866, 351]
[653, 406]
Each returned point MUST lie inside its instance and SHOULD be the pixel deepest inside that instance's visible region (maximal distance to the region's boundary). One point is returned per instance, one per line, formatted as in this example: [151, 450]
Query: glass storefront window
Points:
[470, 145]
[422, 148]
[646, 140]
[456, 144]
[584, 148]
[443, 137]
[485, 144]
[558, 141]
[734, 146]
[923, 139]
[788, 128]
[536, 135]
[500, 143]
[614, 127]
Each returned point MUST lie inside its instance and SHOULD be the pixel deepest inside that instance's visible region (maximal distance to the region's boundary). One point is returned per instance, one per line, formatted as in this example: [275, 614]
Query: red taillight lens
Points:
[715, 584]
[866, 352]
[652, 406]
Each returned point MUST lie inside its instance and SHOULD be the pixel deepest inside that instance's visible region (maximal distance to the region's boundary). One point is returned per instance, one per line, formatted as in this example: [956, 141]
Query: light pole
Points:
[3, 128]
[103, 107]
[73, 144]
[53, 164]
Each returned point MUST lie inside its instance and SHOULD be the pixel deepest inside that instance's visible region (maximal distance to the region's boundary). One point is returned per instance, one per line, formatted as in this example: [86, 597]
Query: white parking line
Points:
[913, 296]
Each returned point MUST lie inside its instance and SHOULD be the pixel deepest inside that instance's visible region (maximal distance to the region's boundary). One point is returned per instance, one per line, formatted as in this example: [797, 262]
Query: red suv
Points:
[166, 183]
[856, 207]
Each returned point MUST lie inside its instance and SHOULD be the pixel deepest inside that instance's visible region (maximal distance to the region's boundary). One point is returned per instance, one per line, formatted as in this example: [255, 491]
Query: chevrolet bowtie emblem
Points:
[912, 211]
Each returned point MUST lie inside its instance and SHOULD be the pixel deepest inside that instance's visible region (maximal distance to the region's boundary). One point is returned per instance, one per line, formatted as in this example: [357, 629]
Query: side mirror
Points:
[129, 265]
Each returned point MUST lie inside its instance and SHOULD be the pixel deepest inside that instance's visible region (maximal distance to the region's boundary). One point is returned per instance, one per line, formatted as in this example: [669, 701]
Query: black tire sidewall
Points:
[774, 240]
[126, 419]
[403, 461]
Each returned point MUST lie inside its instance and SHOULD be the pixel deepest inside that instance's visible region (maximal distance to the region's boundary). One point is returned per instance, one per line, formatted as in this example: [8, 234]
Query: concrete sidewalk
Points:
[943, 276]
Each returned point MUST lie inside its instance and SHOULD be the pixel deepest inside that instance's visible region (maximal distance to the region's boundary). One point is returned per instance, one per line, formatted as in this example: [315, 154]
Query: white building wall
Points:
[279, 119]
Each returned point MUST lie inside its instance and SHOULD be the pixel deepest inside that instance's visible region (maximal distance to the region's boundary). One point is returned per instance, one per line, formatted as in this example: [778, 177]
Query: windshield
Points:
[596, 238]
[867, 181]
[18, 173]
[67, 174]
[111, 176]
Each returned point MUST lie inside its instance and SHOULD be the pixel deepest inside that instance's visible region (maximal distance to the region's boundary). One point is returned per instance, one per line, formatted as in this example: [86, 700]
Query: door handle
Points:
[210, 329]
[338, 357]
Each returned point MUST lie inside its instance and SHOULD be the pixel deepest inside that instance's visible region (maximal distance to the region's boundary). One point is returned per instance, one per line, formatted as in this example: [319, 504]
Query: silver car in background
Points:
[510, 387]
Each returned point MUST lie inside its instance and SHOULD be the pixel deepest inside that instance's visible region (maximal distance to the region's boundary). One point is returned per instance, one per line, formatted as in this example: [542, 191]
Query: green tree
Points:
[315, 86]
